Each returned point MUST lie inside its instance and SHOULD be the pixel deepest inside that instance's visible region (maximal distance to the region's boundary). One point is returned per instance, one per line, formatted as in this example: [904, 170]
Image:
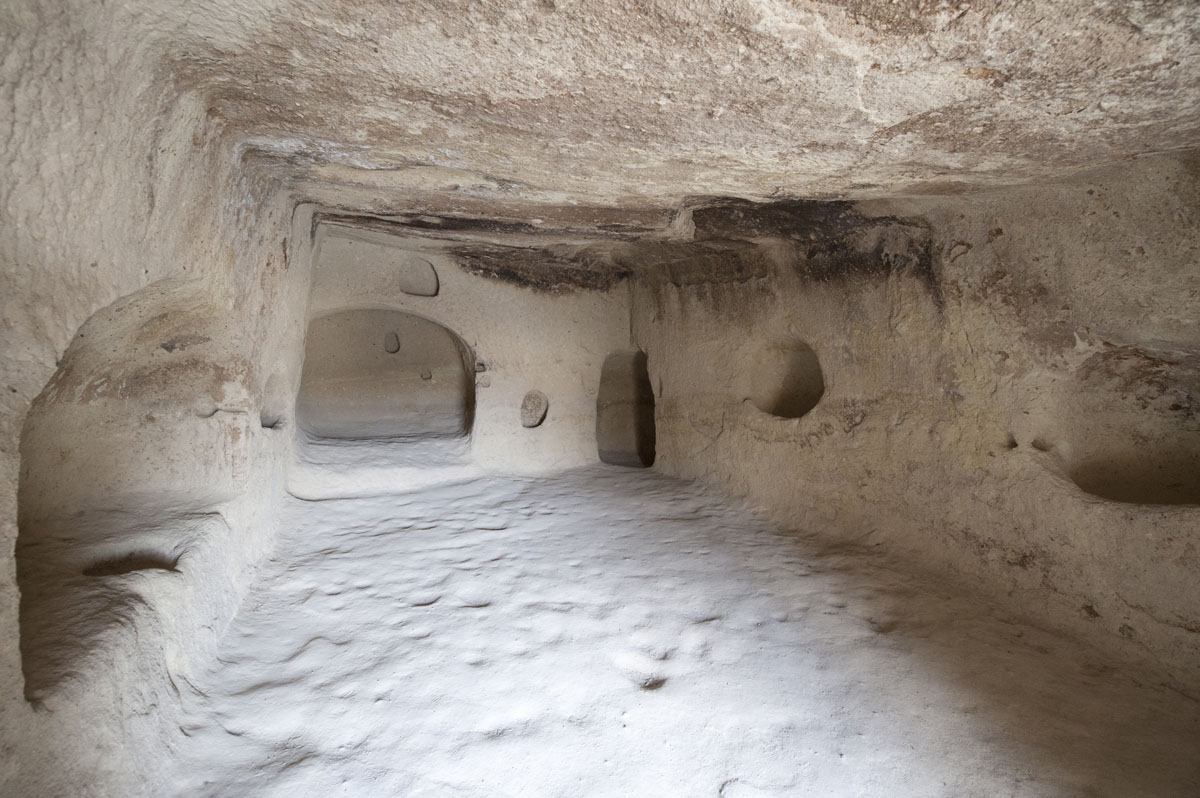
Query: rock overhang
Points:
[615, 104]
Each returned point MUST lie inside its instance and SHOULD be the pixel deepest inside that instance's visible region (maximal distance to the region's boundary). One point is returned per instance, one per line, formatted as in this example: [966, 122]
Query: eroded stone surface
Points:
[1049, 338]
[755, 97]
[549, 160]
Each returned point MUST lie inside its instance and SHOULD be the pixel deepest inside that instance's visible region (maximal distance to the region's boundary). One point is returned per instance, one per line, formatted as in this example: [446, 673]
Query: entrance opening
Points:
[384, 374]
[625, 411]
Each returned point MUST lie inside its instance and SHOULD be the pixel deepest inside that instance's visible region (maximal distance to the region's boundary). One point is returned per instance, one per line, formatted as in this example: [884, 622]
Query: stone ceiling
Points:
[613, 102]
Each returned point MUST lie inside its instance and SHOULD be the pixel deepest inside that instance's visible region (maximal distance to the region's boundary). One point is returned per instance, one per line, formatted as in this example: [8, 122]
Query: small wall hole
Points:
[787, 380]
[534, 408]
[275, 399]
[271, 421]
[135, 561]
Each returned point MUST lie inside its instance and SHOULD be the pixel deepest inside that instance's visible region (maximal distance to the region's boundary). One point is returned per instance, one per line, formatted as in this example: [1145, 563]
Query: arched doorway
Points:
[625, 411]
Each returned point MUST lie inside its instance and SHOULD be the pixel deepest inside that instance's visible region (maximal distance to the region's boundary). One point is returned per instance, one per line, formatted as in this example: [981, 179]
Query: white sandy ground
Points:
[612, 632]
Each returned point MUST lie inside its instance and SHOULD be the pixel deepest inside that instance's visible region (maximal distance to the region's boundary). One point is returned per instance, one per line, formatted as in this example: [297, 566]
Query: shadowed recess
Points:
[787, 381]
[384, 374]
[625, 411]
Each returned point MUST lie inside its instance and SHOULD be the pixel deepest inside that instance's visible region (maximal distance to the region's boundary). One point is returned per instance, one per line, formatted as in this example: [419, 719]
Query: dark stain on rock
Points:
[412, 222]
[182, 342]
[733, 218]
[1165, 379]
[1023, 559]
[891, 18]
[598, 223]
[997, 77]
[690, 263]
[882, 627]
[835, 243]
[1016, 292]
[537, 269]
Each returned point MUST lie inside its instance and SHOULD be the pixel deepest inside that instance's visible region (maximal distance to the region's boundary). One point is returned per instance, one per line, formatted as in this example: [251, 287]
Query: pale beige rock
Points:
[1020, 408]
[1007, 345]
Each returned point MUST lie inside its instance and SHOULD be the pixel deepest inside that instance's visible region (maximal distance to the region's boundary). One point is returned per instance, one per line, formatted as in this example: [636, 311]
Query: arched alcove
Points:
[1125, 430]
[144, 434]
[372, 373]
[625, 411]
[1124, 471]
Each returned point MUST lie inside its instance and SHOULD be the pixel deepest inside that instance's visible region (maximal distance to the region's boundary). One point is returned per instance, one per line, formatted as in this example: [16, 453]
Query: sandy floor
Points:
[611, 632]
